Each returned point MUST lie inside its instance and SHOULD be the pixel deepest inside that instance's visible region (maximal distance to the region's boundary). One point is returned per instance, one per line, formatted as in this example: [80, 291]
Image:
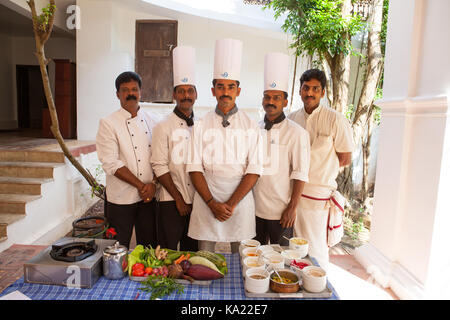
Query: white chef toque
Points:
[228, 59]
[276, 71]
[183, 66]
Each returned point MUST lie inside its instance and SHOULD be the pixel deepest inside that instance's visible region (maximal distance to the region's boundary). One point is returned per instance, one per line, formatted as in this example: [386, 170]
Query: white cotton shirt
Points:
[329, 132]
[171, 139]
[231, 151]
[286, 158]
[125, 141]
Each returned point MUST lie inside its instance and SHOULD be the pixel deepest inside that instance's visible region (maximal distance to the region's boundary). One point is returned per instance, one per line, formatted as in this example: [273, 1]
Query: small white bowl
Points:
[265, 249]
[256, 285]
[249, 252]
[252, 262]
[249, 243]
[290, 255]
[274, 260]
[299, 244]
[314, 279]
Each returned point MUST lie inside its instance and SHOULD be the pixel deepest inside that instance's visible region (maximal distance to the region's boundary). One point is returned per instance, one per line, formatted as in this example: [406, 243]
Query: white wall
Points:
[106, 47]
[409, 233]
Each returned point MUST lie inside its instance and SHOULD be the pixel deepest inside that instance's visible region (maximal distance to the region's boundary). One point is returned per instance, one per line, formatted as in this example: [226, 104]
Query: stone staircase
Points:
[22, 176]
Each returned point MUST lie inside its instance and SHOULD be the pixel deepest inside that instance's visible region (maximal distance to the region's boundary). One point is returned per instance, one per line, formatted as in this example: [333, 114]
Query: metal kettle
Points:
[115, 261]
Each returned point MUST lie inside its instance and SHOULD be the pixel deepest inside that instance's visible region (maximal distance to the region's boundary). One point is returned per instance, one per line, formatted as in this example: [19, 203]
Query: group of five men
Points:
[192, 182]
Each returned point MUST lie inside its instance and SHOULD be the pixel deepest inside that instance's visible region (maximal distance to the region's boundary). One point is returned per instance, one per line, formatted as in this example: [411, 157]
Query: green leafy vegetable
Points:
[135, 257]
[160, 286]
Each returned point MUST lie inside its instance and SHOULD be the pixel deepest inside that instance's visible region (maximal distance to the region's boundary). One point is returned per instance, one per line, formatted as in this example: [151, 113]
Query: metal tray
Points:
[302, 293]
[180, 281]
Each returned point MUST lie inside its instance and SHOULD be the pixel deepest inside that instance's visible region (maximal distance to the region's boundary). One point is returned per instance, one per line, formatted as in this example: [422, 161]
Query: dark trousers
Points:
[173, 228]
[140, 215]
[271, 230]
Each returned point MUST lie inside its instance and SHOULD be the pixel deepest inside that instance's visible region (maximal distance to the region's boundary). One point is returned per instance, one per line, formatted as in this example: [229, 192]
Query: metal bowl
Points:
[284, 287]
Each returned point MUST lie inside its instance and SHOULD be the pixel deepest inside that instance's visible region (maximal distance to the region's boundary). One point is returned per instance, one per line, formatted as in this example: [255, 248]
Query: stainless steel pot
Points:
[115, 261]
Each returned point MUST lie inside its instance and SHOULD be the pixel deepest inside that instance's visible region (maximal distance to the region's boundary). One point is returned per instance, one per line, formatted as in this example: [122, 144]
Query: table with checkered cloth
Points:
[231, 287]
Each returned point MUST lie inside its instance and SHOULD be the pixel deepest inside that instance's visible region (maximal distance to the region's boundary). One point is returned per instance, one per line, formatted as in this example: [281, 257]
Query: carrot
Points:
[181, 258]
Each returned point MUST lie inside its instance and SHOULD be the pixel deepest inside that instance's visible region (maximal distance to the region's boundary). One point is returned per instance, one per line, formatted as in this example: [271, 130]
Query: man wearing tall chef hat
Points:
[123, 142]
[225, 162]
[279, 189]
[169, 154]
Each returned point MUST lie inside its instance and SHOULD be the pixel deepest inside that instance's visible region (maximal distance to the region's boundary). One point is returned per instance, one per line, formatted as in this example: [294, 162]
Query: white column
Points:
[407, 250]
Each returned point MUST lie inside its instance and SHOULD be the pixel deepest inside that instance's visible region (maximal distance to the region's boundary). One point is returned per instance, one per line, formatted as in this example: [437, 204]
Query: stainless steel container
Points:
[115, 261]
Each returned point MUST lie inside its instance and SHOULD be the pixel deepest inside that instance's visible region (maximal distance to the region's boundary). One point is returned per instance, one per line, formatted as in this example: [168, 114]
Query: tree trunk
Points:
[364, 108]
[373, 72]
[329, 88]
[41, 35]
[340, 76]
[293, 82]
[366, 160]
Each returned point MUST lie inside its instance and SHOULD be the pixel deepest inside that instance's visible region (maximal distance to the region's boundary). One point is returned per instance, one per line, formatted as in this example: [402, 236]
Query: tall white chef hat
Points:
[228, 59]
[276, 71]
[183, 66]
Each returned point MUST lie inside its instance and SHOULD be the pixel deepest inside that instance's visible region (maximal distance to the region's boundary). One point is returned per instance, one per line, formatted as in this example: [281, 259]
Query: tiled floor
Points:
[30, 140]
[12, 260]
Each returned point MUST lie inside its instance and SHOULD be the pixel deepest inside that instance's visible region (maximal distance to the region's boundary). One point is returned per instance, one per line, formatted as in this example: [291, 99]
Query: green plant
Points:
[98, 173]
[160, 286]
[352, 228]
[318, 26]
[44, 18]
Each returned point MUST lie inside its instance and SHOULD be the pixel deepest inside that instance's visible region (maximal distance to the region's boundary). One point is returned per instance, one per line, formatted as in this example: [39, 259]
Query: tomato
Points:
[138, 273]
[148, 270]
[138, 266]
[299, 264]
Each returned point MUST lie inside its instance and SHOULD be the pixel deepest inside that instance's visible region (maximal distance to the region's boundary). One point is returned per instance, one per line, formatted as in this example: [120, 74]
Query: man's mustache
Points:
[131, 97]
[187, 99]
[270, 106]
[225, 97]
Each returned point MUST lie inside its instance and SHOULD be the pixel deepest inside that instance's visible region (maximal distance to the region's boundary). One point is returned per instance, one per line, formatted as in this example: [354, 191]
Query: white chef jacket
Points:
[286, 158]
[224, 156]
[329, 132]
[125, 141]
[232, 151]
[169, 154]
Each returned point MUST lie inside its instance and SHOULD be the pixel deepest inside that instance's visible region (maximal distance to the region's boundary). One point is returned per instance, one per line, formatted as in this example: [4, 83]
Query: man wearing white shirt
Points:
[225, 163]
[279, 189]
[124, 148]
[169, 157]
[331, 141]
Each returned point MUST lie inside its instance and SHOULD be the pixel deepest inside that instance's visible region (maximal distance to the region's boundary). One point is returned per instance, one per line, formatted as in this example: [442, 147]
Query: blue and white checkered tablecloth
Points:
[231, 287]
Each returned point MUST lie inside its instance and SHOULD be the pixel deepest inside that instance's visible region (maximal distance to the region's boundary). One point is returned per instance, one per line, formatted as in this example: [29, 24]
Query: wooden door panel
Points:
[155, 40]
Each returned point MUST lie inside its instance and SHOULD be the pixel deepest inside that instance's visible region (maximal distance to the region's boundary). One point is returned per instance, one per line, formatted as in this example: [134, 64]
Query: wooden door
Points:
[155, 40]
[65, 101]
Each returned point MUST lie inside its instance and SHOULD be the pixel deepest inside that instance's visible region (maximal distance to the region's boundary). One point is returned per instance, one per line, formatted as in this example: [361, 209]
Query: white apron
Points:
[240, 226]
[311, 222]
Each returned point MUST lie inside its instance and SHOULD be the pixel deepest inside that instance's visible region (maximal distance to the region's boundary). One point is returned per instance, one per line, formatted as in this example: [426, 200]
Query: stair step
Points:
[28, 169]
[15, 203]
[31, 156]
[5, 220]
[14, 185]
